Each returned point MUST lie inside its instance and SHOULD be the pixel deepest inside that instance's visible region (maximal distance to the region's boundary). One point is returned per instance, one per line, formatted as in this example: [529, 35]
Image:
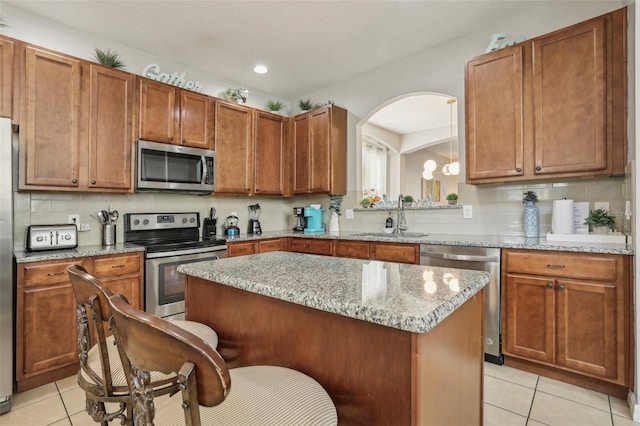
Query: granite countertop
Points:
[407, 297]
[498, 241]
[23, 256]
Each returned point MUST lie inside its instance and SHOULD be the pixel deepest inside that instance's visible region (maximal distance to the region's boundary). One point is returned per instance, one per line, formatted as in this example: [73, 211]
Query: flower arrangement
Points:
[335, 200]
[237, 94]
[370, 197]
[529, 196]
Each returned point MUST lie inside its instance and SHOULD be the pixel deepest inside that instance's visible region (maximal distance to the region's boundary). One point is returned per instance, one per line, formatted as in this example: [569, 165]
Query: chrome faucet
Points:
[401, 222]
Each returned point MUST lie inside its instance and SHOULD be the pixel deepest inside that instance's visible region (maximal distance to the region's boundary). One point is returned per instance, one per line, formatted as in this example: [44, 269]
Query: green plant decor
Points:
[305, 105]
[452, 197]
[335, 201]
[408, 199]
[365, 202]
[529, 196]
[600, 217]
[274, 106]
[2, 23]
[108, 58]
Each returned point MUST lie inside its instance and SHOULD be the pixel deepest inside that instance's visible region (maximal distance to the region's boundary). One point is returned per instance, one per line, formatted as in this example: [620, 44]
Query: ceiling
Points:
[307, 45]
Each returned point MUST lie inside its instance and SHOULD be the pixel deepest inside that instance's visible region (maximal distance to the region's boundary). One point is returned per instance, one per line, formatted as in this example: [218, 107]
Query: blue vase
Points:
[530, 220]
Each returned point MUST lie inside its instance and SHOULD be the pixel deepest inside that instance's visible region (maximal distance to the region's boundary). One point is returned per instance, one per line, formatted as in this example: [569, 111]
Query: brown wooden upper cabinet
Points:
[553, 106]
[269, 147]
[320, 151]
[234, 148]
[6, 77]
[172, 115]
[76, 131]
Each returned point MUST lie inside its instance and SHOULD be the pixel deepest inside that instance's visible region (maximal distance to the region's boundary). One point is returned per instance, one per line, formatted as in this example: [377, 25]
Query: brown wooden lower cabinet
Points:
[46, 343]
[311, 246]
[253, 247]
[568, 316]
[352, 249]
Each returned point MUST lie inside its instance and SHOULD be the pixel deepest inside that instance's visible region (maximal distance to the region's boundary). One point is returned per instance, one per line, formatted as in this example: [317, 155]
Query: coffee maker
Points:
[300, 221]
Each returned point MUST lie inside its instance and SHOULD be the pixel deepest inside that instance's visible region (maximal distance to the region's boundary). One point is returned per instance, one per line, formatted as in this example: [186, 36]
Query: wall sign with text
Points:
[152, 71]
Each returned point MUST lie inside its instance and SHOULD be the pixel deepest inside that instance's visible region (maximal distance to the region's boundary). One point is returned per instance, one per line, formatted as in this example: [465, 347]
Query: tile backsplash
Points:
[497, 209]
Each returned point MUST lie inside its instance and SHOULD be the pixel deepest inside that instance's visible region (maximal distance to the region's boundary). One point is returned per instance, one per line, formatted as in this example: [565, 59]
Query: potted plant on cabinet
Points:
[108, 58]
[237, 94]
[452, 198]
[305, 105]
[274, 106]
[600, 220]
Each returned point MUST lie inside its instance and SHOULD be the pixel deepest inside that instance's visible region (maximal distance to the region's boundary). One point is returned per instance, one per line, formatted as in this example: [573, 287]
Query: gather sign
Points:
[152, 71]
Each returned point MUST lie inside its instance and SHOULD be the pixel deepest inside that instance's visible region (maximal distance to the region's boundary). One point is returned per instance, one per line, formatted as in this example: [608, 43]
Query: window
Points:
[374, 166]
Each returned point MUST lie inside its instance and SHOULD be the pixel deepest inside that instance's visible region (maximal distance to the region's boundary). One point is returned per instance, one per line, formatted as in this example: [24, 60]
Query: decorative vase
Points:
[530, 220]
[334, 226]
[600, 229]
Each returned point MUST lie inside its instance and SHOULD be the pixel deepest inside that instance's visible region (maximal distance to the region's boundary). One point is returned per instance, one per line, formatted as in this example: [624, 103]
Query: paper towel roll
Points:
[562, 217]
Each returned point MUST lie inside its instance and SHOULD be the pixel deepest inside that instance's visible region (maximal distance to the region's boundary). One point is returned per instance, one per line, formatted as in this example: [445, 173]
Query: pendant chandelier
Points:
[451, 168]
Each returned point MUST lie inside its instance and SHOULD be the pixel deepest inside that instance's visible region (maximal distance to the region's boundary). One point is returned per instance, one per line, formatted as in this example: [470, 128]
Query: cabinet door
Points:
[352, 249]
[110, 132]
[6, 78]
[586, 319]
[270, 245]
[269, 154]
[320, 150]
[570, 99]
[195, 120]
[158, 112]
[302, 155]
[494, 115]
[49, 142]
[311, 246]
[234, 156]
[529, 318]
[128, 286]
[49, 328]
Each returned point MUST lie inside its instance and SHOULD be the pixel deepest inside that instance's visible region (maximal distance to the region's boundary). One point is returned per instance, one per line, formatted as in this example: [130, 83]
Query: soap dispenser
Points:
[389, 222]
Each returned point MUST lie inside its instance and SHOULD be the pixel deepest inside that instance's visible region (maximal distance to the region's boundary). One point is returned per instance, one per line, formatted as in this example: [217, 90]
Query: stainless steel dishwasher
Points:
[477, 259]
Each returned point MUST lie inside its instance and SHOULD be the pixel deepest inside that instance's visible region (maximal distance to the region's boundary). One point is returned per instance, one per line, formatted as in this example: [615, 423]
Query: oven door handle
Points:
[462, 257]
[200, 250]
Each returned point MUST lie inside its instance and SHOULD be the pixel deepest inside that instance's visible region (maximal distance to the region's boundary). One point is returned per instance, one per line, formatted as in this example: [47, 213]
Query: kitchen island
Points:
[393, 344]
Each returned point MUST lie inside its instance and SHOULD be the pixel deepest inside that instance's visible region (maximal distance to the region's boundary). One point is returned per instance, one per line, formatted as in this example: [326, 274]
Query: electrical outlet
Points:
[74, 218]
[467, 211]
[349, 213]
[604, 205]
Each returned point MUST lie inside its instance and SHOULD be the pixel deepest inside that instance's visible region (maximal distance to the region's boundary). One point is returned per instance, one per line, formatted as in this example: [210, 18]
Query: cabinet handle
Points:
[53, 274]
[552, 266]
[549, 285]
[518, 169]
[538, 168]
[561, 287]
[74, 180]
[117, 266]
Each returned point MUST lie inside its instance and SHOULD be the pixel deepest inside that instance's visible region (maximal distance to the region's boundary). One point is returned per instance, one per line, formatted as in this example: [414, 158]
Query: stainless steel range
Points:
[170, 239]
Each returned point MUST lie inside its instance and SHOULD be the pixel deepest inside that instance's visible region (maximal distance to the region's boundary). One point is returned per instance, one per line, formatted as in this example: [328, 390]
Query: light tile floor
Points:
[511, 398]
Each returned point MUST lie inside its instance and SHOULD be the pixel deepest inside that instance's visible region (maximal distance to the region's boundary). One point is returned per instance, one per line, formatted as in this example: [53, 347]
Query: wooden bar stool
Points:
[104, 367]
[247, 396]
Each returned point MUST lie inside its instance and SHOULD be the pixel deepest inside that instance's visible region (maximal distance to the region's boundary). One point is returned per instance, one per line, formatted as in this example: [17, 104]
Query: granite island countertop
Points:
[407, 297]
[497, 241]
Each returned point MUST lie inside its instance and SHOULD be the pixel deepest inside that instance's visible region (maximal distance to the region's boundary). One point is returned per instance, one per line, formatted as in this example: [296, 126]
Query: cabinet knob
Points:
[183, 140]
[170, 138]
[549, 285]
[538, 168]
[93, 182]
[74, 180]
[561, 287]
[518, 169]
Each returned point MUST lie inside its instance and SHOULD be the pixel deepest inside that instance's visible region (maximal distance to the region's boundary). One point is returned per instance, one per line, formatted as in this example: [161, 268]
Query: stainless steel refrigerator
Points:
[6, 265]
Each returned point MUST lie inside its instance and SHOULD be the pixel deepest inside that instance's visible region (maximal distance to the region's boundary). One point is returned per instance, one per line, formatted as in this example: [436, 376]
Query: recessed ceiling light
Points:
[260, 69]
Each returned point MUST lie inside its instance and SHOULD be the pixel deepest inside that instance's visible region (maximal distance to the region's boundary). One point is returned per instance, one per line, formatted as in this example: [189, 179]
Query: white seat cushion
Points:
[117, 372]
[260, 396]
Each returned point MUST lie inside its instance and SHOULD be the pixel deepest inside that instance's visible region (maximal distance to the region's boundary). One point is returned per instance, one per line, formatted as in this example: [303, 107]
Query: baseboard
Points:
[633, 406]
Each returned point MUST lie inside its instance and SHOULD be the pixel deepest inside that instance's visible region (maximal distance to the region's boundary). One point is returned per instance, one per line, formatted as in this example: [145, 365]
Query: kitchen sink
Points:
[392, 235]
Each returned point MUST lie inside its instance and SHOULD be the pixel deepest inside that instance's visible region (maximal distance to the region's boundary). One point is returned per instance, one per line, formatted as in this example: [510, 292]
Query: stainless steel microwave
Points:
[165, 167]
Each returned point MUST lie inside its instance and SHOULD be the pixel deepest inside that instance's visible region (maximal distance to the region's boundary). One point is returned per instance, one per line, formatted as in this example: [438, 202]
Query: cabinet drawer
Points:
[401, 253]
[586, 266]
[311, 245]
[270, 245]
[47, 273]
[240, 249]
[116, 265]
[352, 249]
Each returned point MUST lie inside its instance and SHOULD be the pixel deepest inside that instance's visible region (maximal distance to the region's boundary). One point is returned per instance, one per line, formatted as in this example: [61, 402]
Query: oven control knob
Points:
[184, 220]
[145, 222]
[67, 237]
[136, 221]
[39, 238]
[193, 219]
